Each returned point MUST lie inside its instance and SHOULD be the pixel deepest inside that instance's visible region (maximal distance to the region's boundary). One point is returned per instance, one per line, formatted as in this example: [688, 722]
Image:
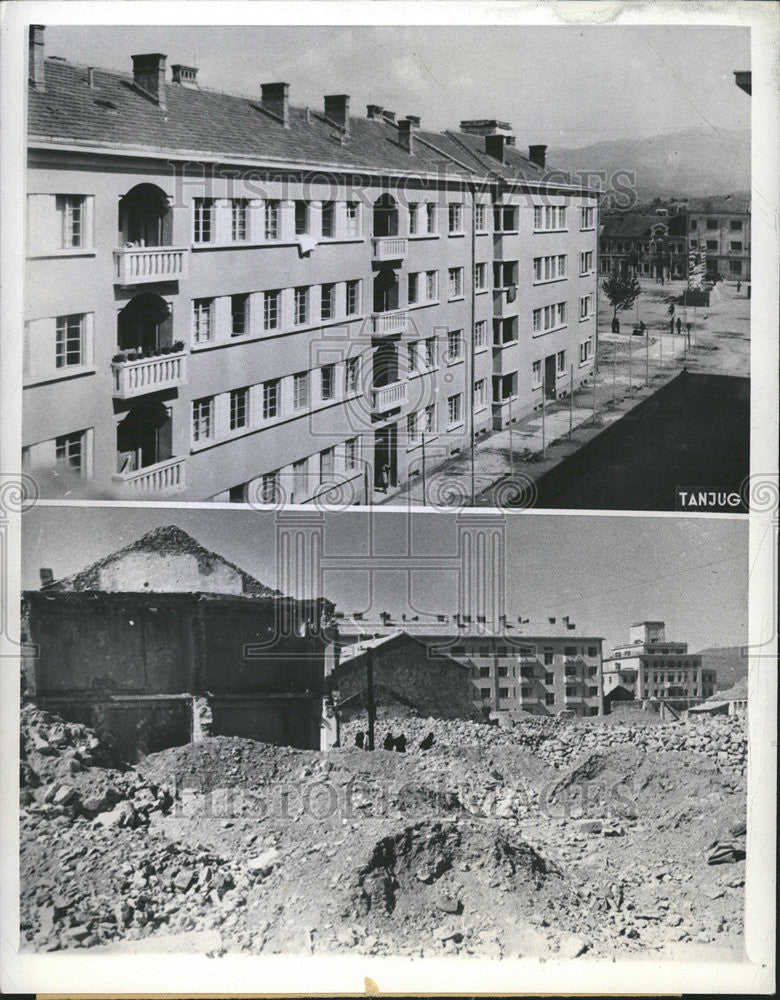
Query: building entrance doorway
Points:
[386, 457]
[549, 377]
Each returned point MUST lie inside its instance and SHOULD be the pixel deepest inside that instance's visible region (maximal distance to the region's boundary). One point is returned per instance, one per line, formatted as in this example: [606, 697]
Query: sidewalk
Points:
[508, 462]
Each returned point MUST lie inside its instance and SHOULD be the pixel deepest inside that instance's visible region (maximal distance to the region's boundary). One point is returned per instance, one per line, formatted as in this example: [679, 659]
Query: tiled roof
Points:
[470, 630]
[729, 203]
[356, 651]
[114, 113]
[165, 540]
[630, 225]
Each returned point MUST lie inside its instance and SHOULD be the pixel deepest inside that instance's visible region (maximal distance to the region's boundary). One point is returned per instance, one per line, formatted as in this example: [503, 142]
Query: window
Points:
[480, 218]
[270, 490]
[352, 375]
[328, 220]
[549, 699]
[561, 313]
[593, 650]
[454, 345]
[455, 282]
[586, 262]
[301, 218]
[735, 225]
[271, 302]
[239, 409]
[328, 381]
[429, 419]
[538, 217]
[480, 392]
[70, 450]
[735, 245]
[454, 409]
[484, 693]
[550, 268]
[351, 453]
[431, 285]
[735, 267]
[561, 217]
[239, 208]
[504, 331]
[548, 657]
[694, 224]
[712, 223]
[328, 301]
[430, 217]
[694, 244]
[549, 217]
[301, 309]
[72, 211]
[586, 348]
[203, 419]
[204, 220]
[561, 362]
[300, 477]
[429, 352]
[271, 398]
[504, 388]
[201, 320]
[549, 678]
[480, 277]
[505, 219]
[480, 334]
[588, 218]
[571, 691]
[272, 220]
[239, 315]
[414, 218]
[353, 298]
[503, 671]
[411, 356]
[69, 349]
[300, 390]
[536, 373]
[503, 692]
[327, 464]
[712, 244]
[455, 218]
[585, 306]
[413, 286]
[352, 209]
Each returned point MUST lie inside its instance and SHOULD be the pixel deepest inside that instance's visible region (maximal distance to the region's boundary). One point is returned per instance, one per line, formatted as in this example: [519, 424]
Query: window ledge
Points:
[457, 235]
[455, 426]
[456, 298]
[423, 236]
[507, 343]
[553, 329]
[587, 229]
[455, 361]
[422, 305]
[481, 350]
[584, 319]
[62, 375]
[550, 281]
[259, 244]
[551, 230]
[506, 232]
[62, 253]
[481, 291]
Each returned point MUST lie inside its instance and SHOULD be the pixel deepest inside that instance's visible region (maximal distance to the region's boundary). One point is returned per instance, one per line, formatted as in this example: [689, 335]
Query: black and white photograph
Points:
[389, 497]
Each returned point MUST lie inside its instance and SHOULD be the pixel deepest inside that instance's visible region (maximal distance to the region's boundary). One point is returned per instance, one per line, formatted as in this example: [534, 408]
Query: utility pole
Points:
[647, 357]
[595, 369]
[544, 407]
[511, 449]
[630, 380]
[422, 472]
[370, 706]
[571, 399]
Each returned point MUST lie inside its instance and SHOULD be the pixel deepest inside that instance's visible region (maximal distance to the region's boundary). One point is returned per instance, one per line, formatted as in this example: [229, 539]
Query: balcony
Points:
[387, 324]
[142, 265]
[388, 397]
[135, 378]
[162, 477]
[384, 248]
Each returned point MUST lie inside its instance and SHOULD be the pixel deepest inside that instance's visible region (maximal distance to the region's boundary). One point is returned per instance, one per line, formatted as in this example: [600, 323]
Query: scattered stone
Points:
[264, 863]
[573, 947]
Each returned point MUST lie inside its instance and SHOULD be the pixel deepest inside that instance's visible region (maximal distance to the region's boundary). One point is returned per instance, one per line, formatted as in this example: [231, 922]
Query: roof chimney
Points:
[186, 76]
[149, 75]
[337, 110]
[389, 115]
[36, 54]
[276, 100]
[414, 119]
[91, 77]
[494, 146]
[484, 126]
[406, 129]
[373, 110]
[47, 576]
[536, 154]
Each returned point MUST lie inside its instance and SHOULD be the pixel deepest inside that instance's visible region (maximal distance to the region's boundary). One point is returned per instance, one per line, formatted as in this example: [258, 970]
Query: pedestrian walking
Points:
[679, 326]
[739, 287]
[360, 740]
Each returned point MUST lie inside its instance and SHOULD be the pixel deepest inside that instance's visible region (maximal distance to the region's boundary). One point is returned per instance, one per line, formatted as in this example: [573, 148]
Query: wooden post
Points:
[370, 706]
[595, 369]
[647, 356]
[544, 407]
[571, 399]
[511, 446]
[422, 472]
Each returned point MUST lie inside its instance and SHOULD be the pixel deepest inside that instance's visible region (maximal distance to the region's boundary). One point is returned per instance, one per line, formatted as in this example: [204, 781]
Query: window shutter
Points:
[40, 360]
[43, 224]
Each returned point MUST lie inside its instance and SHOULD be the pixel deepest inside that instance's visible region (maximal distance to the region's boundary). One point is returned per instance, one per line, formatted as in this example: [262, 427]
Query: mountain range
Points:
[729, 662]
[695, 163]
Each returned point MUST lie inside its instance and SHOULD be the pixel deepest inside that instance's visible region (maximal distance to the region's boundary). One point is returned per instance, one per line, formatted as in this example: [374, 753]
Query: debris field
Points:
[551, 839]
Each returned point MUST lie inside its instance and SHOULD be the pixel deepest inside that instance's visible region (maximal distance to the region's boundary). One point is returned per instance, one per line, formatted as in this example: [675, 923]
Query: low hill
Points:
[729, 662]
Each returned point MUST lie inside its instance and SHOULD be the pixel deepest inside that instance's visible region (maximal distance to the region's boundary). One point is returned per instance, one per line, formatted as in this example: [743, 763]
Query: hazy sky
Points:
[605, 572]
[564, 86]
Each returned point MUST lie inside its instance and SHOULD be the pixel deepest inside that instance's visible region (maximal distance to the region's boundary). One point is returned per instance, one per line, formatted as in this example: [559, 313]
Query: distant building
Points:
[648, 668]
[514, 665]
[719, 228]
[409, 679]
[731, 702]
[164, 641]
[647, 245]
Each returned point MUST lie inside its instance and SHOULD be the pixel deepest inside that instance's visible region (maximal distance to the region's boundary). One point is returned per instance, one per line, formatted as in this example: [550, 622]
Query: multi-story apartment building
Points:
[232, 298]
[719, 228]
[649, 245]
[651, 669]
[540, 668]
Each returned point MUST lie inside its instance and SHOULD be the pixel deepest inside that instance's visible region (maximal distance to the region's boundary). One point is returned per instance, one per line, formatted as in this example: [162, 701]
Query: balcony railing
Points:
[139, 265]
[135, 378]
[162, 477]
[388, 248]
[387, 397]
[387, 323]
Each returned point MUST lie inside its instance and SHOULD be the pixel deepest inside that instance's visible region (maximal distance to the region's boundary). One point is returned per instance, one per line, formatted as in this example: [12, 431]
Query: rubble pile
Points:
[554, 837]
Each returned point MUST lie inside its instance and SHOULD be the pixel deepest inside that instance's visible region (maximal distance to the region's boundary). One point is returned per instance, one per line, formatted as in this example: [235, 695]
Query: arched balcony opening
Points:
[144, 437]
[385, 216]
[145, 218]
[385, 290]
[145, 325]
